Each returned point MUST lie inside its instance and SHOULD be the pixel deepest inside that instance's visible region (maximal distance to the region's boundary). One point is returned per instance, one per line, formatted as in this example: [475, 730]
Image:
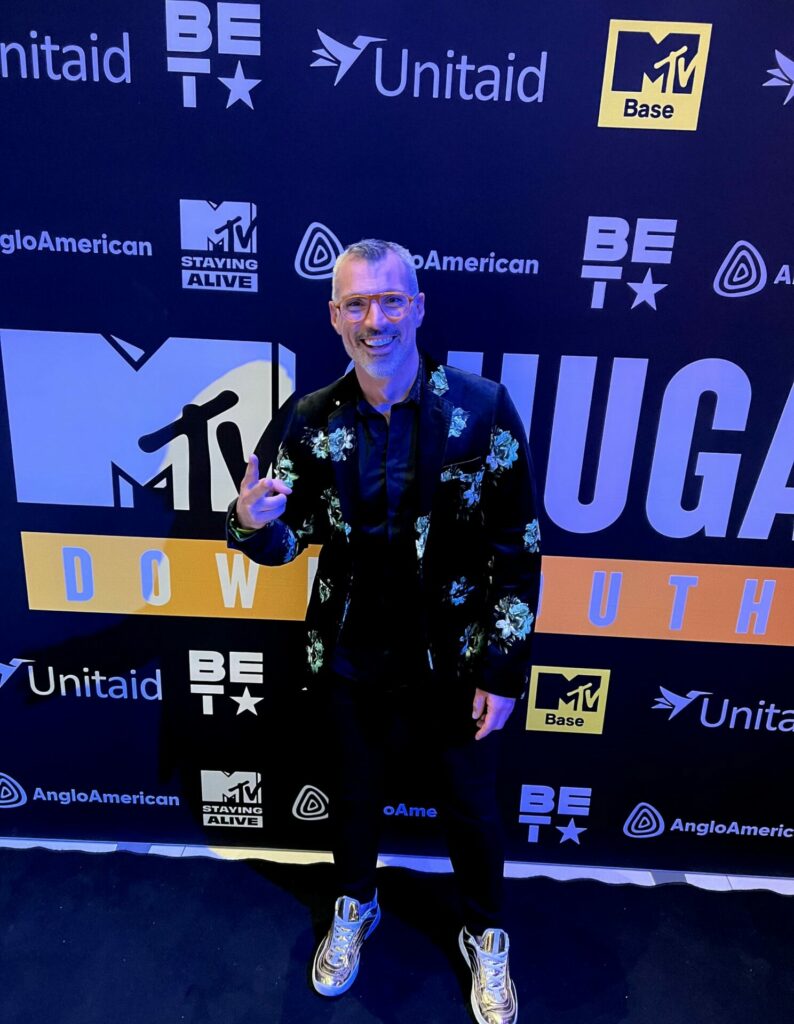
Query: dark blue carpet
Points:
[132, 939]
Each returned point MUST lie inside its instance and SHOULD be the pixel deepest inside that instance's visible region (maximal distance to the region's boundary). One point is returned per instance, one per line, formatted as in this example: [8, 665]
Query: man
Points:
[417, 480]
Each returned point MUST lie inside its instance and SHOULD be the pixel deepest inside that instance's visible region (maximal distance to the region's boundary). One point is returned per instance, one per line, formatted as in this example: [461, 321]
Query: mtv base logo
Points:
[567, 699]
[218, 246]
[232, 799]
[653, 74]
[607, 243]
[236, 33]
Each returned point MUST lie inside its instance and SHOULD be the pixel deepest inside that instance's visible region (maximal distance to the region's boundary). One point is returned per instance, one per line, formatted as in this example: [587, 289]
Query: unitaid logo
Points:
[452, 77]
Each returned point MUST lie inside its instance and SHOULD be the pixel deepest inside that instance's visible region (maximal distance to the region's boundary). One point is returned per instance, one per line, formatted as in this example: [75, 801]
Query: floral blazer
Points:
[476, 529]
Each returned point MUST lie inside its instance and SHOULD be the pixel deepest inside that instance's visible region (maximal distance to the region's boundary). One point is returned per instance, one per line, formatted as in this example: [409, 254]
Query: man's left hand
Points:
[491, 711]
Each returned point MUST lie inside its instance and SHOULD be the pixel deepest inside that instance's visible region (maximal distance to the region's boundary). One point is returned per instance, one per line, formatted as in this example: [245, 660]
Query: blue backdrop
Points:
[597, 204]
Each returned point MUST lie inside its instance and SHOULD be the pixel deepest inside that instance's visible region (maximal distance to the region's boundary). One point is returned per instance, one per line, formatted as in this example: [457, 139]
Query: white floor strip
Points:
[513, 869]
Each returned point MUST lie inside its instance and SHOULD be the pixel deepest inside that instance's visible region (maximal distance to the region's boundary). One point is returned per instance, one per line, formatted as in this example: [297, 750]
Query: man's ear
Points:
[419, 305]
[334, 316]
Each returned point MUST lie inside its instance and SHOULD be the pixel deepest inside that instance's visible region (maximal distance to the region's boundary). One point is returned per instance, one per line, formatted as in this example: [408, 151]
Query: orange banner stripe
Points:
[583, 596]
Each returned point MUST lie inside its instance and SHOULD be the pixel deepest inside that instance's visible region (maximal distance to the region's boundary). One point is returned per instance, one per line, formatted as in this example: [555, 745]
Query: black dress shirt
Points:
[380, 640]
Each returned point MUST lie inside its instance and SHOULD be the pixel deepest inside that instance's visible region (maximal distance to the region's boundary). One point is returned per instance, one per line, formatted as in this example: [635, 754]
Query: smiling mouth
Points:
[379, 342]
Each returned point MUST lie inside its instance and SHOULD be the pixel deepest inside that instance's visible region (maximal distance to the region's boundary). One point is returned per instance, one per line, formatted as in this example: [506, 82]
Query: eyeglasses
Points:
[393, 305]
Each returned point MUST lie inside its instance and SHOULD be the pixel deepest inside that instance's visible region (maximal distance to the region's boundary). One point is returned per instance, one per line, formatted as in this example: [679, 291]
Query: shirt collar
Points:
[413, 395]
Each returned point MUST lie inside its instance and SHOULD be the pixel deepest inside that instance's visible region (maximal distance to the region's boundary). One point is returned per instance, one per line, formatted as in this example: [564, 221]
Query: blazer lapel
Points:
[343, 415]
[435, 414]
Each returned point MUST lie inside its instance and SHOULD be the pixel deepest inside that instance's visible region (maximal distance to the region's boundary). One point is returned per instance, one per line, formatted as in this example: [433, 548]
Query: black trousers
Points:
[369, 725]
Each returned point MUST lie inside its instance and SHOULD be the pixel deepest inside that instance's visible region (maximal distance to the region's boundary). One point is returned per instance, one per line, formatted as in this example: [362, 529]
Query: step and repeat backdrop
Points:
[597, 200]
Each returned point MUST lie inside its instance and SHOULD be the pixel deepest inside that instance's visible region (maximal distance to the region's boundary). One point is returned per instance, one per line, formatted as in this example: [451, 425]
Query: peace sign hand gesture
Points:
[260, 501]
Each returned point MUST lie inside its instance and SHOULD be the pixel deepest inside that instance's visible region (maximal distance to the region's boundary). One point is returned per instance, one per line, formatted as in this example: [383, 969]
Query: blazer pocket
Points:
[466, 466]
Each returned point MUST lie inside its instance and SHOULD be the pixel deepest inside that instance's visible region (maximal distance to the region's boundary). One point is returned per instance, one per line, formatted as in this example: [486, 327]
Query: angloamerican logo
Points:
[311, 804]
[320, 247]
[455, 77]
[646, 822]
[44, 241]
[742, 272]
[12, 794]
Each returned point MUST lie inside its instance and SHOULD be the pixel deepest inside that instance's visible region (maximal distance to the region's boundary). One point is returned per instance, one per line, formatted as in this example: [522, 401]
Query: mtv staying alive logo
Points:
[653, 74]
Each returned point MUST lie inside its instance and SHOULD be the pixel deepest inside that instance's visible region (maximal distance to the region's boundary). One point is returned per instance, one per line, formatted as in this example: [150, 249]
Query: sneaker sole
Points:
[338, 990]
[473, 999]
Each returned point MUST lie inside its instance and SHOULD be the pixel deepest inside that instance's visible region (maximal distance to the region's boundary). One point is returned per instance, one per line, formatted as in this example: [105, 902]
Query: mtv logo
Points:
[231, 787]
[217, 227]
[653, 74]
[121, 430]
[569, 700]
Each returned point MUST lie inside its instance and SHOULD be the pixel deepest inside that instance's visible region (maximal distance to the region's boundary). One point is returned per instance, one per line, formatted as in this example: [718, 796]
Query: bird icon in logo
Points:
[669, 701]
[6, 671]
[783, 74]
[334, 54]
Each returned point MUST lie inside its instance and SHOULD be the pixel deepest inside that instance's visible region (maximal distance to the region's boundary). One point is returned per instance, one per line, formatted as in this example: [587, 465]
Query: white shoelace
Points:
[340, 942]
[494, 967]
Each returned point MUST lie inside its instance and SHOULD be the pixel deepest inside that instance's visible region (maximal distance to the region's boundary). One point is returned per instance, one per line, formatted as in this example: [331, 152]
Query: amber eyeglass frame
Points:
[376, 296]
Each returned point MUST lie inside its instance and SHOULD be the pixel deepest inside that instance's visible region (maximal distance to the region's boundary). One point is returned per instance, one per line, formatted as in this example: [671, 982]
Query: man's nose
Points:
[375, 318]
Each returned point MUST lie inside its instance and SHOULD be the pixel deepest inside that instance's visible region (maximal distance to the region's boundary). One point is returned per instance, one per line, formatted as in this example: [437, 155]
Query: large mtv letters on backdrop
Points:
[116, 424]
[597, 211]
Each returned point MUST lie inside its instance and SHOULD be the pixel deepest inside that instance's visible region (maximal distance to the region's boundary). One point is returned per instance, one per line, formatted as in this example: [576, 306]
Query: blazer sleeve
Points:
[510, 520]
[302, 522]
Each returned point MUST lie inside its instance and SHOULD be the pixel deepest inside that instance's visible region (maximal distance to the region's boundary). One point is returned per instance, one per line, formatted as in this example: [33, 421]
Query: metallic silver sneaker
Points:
[493, 994]
[337, 958]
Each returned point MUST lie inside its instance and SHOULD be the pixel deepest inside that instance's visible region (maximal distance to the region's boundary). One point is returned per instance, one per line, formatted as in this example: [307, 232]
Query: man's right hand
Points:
[260, 501]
